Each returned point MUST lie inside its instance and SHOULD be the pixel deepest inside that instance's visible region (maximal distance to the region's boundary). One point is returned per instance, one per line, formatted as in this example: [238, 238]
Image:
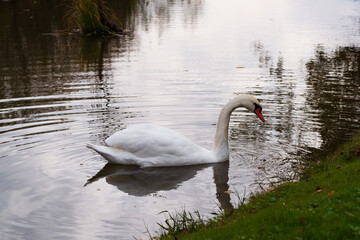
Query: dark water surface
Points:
[182, 61]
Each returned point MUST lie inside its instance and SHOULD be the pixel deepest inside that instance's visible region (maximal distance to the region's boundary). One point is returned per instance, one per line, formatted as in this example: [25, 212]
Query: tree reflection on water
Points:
[334, 85]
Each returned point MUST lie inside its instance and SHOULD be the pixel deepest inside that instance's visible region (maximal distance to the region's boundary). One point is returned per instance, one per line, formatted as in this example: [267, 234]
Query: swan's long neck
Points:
[221, 146]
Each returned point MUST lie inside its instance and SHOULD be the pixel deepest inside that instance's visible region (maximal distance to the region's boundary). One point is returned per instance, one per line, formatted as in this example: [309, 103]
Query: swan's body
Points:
[148, 145]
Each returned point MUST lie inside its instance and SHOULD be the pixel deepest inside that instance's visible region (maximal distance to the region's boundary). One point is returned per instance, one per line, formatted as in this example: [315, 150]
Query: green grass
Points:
[324, 204]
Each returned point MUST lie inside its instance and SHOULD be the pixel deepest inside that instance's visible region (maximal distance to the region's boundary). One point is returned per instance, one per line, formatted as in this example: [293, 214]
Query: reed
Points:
[92, 17]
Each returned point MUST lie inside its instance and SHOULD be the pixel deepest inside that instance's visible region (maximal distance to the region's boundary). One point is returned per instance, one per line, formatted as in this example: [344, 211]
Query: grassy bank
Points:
[324, 204]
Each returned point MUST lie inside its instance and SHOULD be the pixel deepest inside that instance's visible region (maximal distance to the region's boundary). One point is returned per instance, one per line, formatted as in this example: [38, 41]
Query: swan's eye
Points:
[258, 108]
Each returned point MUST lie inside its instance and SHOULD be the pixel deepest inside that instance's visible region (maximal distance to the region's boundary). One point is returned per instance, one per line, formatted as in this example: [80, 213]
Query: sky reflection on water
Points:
[183, 61]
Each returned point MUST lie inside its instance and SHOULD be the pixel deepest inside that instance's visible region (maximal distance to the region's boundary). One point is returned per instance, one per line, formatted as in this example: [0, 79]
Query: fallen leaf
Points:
[349, 213]
[319, 191]
[331, 193]
[240, 67]
[302, 219]
[262, 168]
[228, 192]
[300, 230]
[283, 203]
[271, 188]
[357, 152]
[252, 211]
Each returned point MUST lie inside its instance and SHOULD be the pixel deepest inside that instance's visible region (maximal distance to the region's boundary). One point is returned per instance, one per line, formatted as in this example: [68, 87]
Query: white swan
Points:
[147, 145]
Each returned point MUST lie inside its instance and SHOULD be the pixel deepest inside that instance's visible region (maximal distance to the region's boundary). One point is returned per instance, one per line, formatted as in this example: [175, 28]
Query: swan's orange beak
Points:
[259, 114]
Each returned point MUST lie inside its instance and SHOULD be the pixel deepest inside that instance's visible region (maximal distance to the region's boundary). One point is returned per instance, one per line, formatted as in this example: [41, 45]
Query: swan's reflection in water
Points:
[137, 181]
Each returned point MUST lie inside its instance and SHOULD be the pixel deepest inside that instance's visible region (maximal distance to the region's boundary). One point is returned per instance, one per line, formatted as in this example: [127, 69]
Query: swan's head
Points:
[252, 104]
[258, 111]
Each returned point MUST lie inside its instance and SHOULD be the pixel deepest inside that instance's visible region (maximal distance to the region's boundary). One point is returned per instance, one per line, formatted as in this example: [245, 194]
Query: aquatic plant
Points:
[93, 17]
[179, 222]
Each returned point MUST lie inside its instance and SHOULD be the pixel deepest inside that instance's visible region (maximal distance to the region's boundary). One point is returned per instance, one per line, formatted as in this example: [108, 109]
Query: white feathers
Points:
[148, 145]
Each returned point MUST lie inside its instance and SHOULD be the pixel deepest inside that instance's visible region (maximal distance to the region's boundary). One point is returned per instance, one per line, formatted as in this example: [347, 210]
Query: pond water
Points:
[179, 64]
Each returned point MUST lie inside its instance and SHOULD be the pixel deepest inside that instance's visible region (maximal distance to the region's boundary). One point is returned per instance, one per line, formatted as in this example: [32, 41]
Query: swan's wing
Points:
[147, 140]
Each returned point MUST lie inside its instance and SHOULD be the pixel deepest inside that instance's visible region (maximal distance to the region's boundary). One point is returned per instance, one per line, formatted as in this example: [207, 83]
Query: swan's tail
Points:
[91, 146]
[115, 155]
